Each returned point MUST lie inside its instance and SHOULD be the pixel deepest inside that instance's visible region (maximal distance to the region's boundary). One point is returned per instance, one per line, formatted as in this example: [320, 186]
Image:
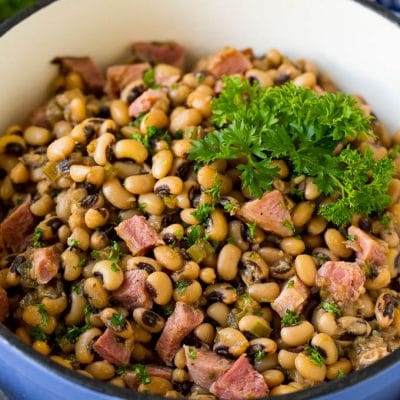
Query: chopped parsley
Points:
[148, 79]
[384, 219]
[340, 373]
[168, 310]
[181, 285]
[215, 191]
[178, 234]
[351, 238]
[44, 314]
[37, 333]
[252, 230]
[142, 374]
[153, 132]
[114, 267]
[314, 355]
[331, 308]
[290, 283]
[259, 355]
[192, 353]
[230, 240]
[95, 254]
[37, 236]
[82, 262]
[115, 252]
[118, 320]
[203, 211]
[142, 207]
[194, 234]
[229, 207]
[73, 332]
[290, 318]
[76, 289]
[73, 242]
[287, 224]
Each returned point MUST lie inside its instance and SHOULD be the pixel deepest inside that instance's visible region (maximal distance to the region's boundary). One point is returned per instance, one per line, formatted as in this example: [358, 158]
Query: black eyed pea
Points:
[282, 389]
[183, 118]
[119, 112]
[12, 144]
[77, 110]
[19, 174]
[308, 369]
[208, 275]
[306, 269]
[380, 281]
[187, 216]
[324, 322]
[116, 321]
[145, 263]
[151, 203]
[178, 94]
[200, 99]
[292, 246]
[156, 118]
[180, 375]
[42, 206]
[273, 377]
[117, 195]
[205, 332]
[180, 359]
[110, 272]
[264, 292]
[184, 199]
[181, 147]
[96, 175]
[94, 218]
[166, 74]
[317, 225]
[79, 238]
[126, 168]
[255, 325]
[384, 310]
[297, 335]
[255, 268]
[263, 344]
[219, 312]
[76, 316]
[235, 232]
[269, 361]
[302, 213]
[353, 326]
[33, 316]
[326, 346]
[95, 292]
[142, 353]
[41, 347]
[79, 173]
[161, 163]
[62, 361]
[108, 125]
[336, 243]
[132, 149]
[207, 176]
[308, 80]
[286, 359]
[62, 128]
[99, 240]
[60, 149]
[311, 191]
[271, 255]
[139, 184]
[221, 292]
[119, 382]
[190, 293]
[230, 341]
[99, 148]
[83, 352]
[365, 306]
[190, 270]
[217, 226]
[342, 366]
[168, 258]
[148, 320]
[157, 386]
[160, 287]
[169, 185]
[140, 335]
[101, 370]
[260, 76]
[57, 305]
[71, 263]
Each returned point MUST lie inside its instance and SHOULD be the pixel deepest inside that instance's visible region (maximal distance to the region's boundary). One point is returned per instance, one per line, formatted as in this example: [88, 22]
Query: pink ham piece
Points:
[206, 366]
[269, 213]
[341, 281]
[39, 117]
[367, 248]
[16, 230]
[119, 76]
[228, 61]
[132, 381]
[4, 306]
[45, 264]
[160, 52]
[181, 322]
[85, 67]
[146, 101]
[108, 347]
[241, 381]
[293, 297]
[138, 235]
[133, 293]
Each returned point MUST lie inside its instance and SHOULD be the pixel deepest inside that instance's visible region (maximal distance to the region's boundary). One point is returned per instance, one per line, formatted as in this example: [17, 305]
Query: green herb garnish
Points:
[351, 238]
[73, 242]
[340, 374]
[290, 283]
[192, 353]
[142, 207]
[115, 252]
[331, 308]
[384, 219]
[252, 230]
[82, 262]
[178, 234]
[44, 314]
[259, 355]
[181, 285]
[142, 374]
[314, 355]
[148, 79]
[203, 211]
[37, 236]
[114, 267]
[73, 332]
[194, 234]
[37, 333]
[95, 254]
[168, 310]
[215, 191]
[76, 289]
[290, 318]
[230, 240]
[287, 224]
[118, 320]
[153, 132]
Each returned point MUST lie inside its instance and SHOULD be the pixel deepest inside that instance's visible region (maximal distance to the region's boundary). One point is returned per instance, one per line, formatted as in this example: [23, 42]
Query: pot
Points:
[355, 41]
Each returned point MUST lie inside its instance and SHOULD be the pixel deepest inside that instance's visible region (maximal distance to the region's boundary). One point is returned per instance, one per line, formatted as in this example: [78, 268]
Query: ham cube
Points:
[269, 213]
[228, 61]
[241, 381]
[119, 76]
[109, 347]
[45, 264]
[4, 306]
[85, 67]
[182, 321]
[293, 297]
[156, 98]
[16, 230]
[205, 366]
[133, 293]
[160, 52]
[138, 235]
[367, 248]
[341, 281]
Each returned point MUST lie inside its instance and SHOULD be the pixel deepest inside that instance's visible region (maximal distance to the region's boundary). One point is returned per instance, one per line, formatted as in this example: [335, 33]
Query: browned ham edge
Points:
[109, 347]
[182, 321]
[119, 76]
[146, 101]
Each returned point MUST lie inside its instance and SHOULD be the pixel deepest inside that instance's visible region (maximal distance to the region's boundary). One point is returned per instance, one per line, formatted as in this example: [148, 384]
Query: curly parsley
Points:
[290, 318]
[44, 314]
[331, 308]
[192, 353]
[203, 211]
[37, 237]
[314, 355]
[118, 320]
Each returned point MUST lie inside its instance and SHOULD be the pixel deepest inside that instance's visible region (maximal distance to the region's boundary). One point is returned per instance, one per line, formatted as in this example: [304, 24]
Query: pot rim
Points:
[334, 386]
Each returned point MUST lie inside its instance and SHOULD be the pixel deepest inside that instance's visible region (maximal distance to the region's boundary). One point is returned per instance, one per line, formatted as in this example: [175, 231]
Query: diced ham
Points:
[367, 248]
[160, 52]
[16, 230]
[227, 61]
[241, 381]
[206, 366]
[119, 76]
[85, 67]
[181, 322]
[39, 117]
[45, 264]
[109, 347]
[147, 100]
[269, 213]
[4, 306]
[132, 381]
[293, 297]
[133, 293]
[138, 235]
[340, 281]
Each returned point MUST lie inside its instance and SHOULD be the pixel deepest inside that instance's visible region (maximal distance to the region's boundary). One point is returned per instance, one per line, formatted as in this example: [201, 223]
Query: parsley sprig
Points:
[290, 318]
[203, 211]
[118, 320]
[331, 308]
[37, 237]
[314, 355]
[44, 314]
